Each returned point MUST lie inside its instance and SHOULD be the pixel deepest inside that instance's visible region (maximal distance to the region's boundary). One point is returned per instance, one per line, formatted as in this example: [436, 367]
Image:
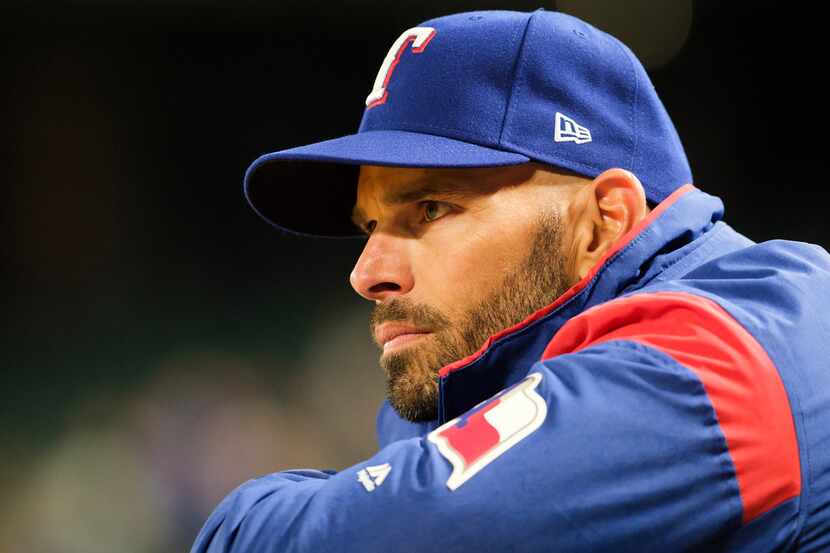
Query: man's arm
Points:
[630, 454]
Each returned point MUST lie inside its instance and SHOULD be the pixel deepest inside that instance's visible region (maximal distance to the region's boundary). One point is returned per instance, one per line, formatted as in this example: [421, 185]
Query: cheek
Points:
[460, 268]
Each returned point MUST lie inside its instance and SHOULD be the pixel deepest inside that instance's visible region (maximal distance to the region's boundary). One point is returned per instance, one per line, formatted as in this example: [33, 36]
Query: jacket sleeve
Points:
[615, 446]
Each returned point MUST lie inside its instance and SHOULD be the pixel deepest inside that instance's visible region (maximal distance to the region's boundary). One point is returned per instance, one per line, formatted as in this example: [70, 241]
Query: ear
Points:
[616, 202]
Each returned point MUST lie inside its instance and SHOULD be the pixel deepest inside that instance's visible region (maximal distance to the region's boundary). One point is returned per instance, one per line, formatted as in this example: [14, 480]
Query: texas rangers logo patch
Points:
[479, 436]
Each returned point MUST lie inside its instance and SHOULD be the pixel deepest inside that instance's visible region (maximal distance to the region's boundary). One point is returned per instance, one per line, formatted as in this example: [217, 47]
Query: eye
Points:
[434, 210]
[370, 226]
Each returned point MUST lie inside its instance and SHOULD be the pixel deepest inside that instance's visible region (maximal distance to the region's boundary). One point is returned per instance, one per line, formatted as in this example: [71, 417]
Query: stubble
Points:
[412, 373]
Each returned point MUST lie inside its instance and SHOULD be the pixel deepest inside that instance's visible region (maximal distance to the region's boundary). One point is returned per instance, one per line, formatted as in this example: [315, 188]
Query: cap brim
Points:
[310, 190]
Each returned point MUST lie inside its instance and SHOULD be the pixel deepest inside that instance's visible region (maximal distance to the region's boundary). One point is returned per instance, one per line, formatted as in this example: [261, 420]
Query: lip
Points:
[394, 335]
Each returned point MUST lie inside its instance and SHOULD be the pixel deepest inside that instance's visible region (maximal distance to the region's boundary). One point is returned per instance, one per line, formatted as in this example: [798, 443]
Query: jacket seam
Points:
[692, 257]
[795, 408]
[790, 393]
[722, 451]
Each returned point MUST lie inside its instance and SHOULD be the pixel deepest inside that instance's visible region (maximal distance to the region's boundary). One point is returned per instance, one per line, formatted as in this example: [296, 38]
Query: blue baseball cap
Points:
[483, 89]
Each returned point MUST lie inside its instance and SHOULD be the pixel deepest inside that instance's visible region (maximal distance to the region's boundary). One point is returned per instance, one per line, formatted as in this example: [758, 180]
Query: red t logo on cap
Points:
[419, 37]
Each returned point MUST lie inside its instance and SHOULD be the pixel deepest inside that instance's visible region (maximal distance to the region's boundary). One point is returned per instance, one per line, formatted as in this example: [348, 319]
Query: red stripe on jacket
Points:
[742, 383]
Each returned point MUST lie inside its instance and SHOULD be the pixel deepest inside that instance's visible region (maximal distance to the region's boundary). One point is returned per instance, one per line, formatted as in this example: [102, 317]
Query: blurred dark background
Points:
[161, 344]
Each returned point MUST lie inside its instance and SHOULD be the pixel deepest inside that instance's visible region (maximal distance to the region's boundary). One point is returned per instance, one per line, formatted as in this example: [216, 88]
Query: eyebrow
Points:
[447, 188]
[453, 189]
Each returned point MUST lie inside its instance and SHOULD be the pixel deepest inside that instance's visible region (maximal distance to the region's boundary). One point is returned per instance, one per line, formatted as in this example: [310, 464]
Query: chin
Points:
[412, 384]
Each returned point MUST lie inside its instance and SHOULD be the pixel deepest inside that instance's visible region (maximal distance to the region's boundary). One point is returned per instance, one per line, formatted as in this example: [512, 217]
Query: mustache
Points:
[404, 310]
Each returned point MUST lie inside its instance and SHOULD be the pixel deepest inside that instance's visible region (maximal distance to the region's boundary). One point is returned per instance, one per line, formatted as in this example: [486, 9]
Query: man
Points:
[580, 355]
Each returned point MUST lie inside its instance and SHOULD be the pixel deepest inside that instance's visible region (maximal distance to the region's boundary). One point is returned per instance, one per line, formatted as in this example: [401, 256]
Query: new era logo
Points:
[568, 130]
[373, 476]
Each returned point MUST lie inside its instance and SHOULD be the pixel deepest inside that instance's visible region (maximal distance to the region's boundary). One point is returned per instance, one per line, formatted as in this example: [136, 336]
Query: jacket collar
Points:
[636, 259]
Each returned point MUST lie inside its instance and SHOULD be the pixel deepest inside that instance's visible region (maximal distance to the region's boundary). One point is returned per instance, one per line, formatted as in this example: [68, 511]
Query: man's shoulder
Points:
[776, 262]
[777, 291]
[758, 299]
[771, 289]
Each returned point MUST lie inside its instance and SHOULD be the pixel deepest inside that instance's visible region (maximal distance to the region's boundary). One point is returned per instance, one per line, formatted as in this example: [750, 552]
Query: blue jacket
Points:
[676, 399]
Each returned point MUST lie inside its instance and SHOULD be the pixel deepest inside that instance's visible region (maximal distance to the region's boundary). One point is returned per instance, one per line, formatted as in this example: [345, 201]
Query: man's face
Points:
[453, 257]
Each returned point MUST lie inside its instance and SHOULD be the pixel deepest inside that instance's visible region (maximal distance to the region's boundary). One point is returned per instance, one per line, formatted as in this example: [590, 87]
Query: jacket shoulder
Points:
[734, 369]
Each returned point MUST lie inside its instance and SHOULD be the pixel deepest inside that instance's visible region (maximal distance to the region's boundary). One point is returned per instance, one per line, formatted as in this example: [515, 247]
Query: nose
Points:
[382, 271]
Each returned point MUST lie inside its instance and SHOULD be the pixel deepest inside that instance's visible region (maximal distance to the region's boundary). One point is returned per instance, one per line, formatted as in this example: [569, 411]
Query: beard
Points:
[412, 373]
